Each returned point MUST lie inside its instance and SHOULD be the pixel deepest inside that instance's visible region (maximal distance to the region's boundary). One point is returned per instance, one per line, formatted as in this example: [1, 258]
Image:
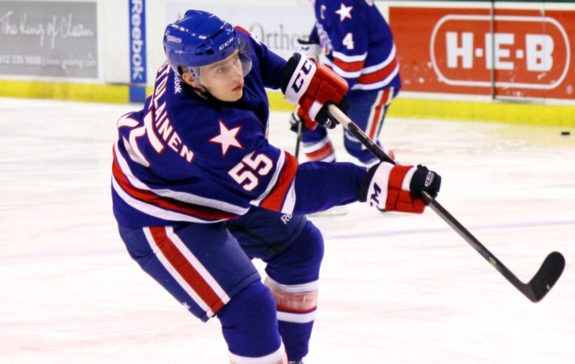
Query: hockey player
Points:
[198, 191]
[357, 44]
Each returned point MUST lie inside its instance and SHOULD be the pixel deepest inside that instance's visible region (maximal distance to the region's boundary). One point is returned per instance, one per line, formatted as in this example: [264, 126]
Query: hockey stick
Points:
[298, 139]
[298, 130]
[538, 286]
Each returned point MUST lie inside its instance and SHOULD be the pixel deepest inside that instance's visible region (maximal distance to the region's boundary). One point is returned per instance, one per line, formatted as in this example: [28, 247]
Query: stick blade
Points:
[546, 276]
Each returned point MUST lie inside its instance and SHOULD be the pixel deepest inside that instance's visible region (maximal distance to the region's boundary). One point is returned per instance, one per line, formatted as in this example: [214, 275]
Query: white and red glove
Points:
[312, 86]
[390, 187]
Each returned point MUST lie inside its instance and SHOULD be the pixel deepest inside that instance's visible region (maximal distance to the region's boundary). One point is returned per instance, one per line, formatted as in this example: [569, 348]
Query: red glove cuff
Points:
[307, 122]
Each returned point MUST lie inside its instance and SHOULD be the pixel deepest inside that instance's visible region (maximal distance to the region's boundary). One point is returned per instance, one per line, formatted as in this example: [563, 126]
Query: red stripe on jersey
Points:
[186, 269]
[348, 66]
[200, 212]
[274, 201]
[378, 75]
[377, 112]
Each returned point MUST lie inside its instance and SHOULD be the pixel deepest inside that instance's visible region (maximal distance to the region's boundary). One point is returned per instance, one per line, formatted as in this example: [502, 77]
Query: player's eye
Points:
[221, 69]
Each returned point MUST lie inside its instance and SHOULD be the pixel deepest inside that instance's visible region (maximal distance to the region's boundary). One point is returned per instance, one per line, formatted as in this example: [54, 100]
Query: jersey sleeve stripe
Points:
[379, 75]
[345, 74]
[349, 59]
[166, 203]
[186, 269]
[374, 86]
[277, 197]
[377, 66]
[347, 66]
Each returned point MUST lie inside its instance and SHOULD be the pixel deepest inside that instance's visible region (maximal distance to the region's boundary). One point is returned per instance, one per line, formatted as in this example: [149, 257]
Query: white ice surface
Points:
[395, 288]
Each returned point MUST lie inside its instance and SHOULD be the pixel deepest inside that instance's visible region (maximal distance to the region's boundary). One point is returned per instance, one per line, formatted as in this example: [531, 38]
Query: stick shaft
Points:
[526, 289]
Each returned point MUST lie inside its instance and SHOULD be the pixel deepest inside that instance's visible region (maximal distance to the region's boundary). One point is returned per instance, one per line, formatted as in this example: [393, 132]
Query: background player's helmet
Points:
[199, 39]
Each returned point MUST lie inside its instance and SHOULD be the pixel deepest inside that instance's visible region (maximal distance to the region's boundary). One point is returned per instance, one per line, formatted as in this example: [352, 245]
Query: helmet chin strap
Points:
[204, 93]
[193, 81]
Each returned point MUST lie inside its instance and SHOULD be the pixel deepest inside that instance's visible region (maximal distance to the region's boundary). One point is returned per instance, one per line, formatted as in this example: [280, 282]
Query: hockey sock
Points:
[296, 337]
[293, 281]
[250, 327]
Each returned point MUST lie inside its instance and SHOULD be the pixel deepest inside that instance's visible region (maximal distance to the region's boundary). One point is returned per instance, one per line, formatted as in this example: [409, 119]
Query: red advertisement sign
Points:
[512, 53]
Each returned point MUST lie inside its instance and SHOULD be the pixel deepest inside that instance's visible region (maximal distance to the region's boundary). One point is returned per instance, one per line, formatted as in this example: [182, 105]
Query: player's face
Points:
[224, 79]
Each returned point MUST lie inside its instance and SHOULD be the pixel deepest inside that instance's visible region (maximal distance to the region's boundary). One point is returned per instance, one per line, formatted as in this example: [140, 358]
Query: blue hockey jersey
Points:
[183, 158]
[358, 43]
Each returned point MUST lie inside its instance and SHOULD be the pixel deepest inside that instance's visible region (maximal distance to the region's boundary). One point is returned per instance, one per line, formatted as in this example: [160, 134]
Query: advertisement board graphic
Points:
[49, 39]
[507, 53]
[138, 63]
[277, 24]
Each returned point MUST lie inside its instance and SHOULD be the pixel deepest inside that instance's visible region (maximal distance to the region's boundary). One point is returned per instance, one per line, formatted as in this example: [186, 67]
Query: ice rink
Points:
[395, 288]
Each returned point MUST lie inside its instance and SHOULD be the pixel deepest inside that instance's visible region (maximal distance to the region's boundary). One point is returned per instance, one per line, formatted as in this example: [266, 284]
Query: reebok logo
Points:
[286, 218]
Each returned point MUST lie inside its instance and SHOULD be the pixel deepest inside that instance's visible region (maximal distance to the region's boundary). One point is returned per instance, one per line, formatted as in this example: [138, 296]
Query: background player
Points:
[357, 44]
[198, 191]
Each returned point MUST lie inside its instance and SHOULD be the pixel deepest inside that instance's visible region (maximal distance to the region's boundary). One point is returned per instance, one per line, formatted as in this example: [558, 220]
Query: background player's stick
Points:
[298, 139]
[538, 286]
[296, 125]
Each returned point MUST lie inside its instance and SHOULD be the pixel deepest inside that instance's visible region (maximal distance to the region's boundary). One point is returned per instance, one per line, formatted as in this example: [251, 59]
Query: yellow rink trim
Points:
[506, 112]
[65, 91]
[496, 111]
[516, 113]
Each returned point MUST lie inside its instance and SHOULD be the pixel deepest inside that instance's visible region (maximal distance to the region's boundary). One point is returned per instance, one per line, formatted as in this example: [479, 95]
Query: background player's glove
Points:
[308, 47]
[398, 188]
[294, 121]
[313, 86]
[297, 117]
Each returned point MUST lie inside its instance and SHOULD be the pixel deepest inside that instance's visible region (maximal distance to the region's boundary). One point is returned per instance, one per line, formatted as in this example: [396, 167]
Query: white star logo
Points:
[227, 138]
[344, 12]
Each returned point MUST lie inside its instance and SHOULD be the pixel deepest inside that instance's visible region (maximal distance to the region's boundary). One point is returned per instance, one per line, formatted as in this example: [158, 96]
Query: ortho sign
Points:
[516, 52]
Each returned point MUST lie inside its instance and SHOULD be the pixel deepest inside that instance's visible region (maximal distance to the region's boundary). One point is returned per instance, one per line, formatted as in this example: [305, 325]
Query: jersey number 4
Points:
[247, 172]
[347, 41]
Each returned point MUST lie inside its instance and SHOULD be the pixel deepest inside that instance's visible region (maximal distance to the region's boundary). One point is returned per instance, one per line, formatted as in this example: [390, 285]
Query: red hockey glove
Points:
[298, 117]
[308, 123]
[398, 188]
[312, 85]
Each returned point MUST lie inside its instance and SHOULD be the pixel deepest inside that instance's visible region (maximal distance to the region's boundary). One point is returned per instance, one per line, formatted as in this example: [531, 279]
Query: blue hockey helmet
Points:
[200, 39]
